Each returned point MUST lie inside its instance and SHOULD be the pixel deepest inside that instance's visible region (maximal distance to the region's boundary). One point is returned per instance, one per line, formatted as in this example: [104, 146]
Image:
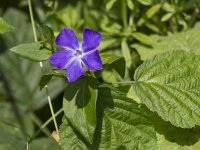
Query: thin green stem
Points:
[123, 82]
[41, 66]
[45, 124]
[124, 13]
[37, 121]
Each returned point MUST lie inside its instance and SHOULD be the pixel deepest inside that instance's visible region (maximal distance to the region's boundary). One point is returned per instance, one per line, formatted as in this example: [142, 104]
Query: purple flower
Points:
[75, 55]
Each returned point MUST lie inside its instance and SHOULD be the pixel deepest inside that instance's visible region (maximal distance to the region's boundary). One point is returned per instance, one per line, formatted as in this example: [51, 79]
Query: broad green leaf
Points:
[188, 41]
[117, 62]
[170, 137]
[124, 125]
[79, 105]
[169, 84]
[4, 26]
[31, 51]
[70, 139]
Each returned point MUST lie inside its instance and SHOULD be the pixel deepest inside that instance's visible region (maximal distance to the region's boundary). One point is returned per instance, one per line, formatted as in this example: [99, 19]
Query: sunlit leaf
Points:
[169, 85]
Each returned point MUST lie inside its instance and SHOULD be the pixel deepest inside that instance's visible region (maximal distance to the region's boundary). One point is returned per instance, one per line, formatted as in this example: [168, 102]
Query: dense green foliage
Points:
[146, 97]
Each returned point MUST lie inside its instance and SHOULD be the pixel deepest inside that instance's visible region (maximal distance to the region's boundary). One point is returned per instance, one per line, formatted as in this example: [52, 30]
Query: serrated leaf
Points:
[169, 84]
[70, 139]
[31, 51]
[79, 105]
[4, 26]
[121, 124]
[118, 63]
[124, 125]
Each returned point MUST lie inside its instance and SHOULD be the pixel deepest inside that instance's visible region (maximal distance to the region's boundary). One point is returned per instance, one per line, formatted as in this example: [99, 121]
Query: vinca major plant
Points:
[129, 80]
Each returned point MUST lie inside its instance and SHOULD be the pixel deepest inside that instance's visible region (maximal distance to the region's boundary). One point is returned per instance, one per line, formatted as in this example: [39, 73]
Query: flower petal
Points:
[92, 61]
[91, 40]
[67, 39]
[60, 58]
[74, 70]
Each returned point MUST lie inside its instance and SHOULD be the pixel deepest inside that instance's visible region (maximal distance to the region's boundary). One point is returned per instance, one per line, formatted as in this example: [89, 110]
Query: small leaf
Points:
[149, 14]
[110, 4]
[49, 35]
[44, 80]
[142, 37]
[117, 62]
[167, 16]
[130, 4]
[169, 84]
[31, 51]
[47, 77]
[4, 26]
[145, 2]
[79, 105]
[126, 52]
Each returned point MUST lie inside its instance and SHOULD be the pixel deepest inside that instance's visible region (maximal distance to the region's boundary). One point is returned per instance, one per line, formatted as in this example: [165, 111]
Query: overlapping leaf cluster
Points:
[160, 106]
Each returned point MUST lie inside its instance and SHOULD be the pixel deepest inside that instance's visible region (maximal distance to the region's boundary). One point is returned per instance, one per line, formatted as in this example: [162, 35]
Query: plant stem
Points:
[123, 82]
[45, 124]
[41, 66]
[124, 13]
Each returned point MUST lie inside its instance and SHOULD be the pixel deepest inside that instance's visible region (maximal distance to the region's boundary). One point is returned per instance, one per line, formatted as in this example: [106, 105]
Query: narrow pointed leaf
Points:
[4, 26]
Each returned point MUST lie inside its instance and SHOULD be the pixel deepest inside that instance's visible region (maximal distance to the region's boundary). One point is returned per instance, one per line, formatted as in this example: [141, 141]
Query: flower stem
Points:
[123, 82]
[41, 66]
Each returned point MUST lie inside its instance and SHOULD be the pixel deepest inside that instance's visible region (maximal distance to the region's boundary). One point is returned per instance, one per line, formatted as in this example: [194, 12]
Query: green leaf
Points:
[142, 37]
[117, 62]
[110, 4]
[47, 77]
[130, 4]
[126, 52]
[124, 125]
[188, 41]
[169, 84]
[4, 26]
[79, 105]
[31, 51]
[49, 36]
[167, 16]
[149, 14]
[145, 2]
[70, 138]
[173, 138]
